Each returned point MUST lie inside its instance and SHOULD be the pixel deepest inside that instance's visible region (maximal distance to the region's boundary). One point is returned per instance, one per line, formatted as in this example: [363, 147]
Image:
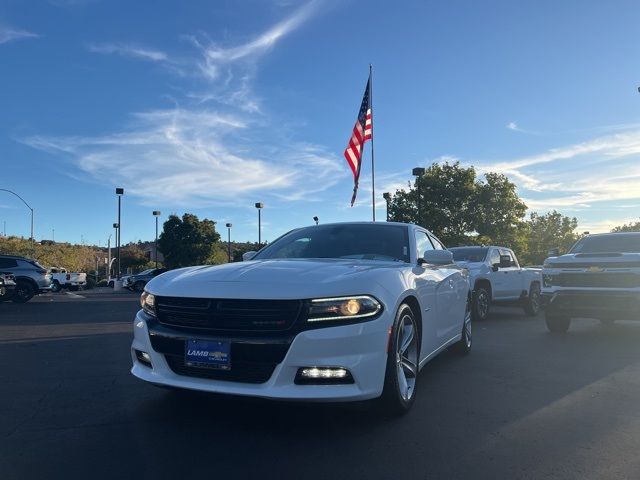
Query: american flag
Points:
[362, 131]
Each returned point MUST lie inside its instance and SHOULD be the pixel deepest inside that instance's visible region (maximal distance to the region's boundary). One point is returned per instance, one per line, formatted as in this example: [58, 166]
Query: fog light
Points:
[323, 376]
[143, 357]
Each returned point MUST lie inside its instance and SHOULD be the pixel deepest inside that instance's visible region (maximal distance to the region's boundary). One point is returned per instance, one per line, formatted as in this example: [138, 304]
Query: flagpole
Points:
[373, 165]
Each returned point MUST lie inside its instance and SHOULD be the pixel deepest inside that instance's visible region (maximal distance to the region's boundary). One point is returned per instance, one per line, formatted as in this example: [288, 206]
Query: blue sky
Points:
[211, 106]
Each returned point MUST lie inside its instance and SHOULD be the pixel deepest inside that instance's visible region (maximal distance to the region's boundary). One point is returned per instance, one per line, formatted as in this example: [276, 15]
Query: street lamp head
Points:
[119, 191]
[386, 196]
[157, 213]
[229, 225]
[418, 171]
[259, 205]
[316, 219]
[116, 225]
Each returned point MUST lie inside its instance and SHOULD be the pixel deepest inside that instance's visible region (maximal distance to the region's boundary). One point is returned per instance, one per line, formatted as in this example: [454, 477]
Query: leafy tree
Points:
[188, 241]
[548, 231]
[627, 227]
[461, 209]
[133, 256]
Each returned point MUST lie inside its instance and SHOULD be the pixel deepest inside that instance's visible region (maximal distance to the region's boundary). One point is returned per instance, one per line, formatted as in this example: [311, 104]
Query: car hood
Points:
[279, 279]
[585, 260]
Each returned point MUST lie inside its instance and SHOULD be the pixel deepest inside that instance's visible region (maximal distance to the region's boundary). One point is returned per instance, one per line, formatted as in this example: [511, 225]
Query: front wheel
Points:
[55, 286]
[401, 374]
[557, 323]
[481, 303]
[532, 303]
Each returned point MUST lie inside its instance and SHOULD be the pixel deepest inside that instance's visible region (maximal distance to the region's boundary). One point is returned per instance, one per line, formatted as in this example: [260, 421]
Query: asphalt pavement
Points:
[525, 404]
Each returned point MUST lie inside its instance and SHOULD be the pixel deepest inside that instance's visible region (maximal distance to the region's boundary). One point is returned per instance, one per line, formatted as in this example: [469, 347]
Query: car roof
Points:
[629, 234]
[17, 257]
[479, 246]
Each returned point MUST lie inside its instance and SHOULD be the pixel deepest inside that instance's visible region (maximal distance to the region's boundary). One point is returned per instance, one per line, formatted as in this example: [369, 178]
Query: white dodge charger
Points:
[336, 312]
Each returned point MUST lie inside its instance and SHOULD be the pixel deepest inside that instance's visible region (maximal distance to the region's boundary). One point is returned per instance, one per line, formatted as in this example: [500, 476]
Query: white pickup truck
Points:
[599, 278]
[60, 279]
[495, 276]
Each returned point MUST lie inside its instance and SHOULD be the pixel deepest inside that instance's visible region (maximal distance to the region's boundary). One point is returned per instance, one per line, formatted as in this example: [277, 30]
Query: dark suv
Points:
[138, 281]
[31, 277]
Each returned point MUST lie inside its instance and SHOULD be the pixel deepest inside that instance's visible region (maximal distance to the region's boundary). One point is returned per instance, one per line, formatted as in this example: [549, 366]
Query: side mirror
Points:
[437, 257]
[505, 261]
[554, 252]
[248, 256]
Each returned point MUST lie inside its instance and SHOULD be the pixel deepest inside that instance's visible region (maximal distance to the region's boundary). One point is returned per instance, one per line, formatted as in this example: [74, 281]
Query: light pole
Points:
[259, 206]
[156, 213]
[229, 225]
[316, 219]
[108, 272]
[33, 249]
[119, 193]
[116, 226]
[387, 199]
[418, 172]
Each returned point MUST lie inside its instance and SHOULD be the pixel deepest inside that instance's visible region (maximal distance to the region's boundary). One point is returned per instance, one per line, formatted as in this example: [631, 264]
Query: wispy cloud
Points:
[190, 158]
[128, 50]
[513, 126]
[11, 34]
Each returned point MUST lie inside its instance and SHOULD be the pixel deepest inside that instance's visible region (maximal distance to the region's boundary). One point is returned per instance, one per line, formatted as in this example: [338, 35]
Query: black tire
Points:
[481, 303]
[392, 402]
[557, 323]
[139, 286]
[55, 286]
[24, 292]
[464, 345]
[110, 284]
[73, 288]
[532, 303]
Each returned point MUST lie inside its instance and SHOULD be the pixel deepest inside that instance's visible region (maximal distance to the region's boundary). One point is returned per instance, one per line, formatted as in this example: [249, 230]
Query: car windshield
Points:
[472, 255]
[358, 241]
[146, 272]
[608, 244]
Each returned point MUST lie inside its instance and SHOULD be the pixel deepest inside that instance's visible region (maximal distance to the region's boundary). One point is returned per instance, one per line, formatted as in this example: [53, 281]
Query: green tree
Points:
[188, 241]
[627, 227]
[460, 208]
[548, 231]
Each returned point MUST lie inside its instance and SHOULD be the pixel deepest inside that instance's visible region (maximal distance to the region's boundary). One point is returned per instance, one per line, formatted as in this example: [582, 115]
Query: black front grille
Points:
[251, 361]
[228, 314]
[602, 280]
[243, 372]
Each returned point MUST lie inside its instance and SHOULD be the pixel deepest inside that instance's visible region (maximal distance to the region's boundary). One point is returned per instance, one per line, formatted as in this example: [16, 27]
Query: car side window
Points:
[436, 243]
[494, 257]
[422, 243]
[510, 255]
[514, 260]
[8, 263]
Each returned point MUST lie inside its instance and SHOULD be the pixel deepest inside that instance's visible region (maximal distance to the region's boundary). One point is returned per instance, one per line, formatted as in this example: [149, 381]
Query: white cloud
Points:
[128, 50]
[10, 34]
[512, 126]
[189, 158]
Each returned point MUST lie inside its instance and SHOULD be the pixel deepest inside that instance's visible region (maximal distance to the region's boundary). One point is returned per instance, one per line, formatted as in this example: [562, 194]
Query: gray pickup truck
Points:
[599, 278]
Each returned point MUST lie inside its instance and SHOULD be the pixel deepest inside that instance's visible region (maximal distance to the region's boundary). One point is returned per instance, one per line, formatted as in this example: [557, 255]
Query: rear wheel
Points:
[466, 342]
[402, 364]
[24, 292]
[557, 323]
[532, 303]
[55, 286]
[481, 303]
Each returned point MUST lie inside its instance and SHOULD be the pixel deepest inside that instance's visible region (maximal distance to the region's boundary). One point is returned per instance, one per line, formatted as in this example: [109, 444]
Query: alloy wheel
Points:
[407, 356]
[482, 303]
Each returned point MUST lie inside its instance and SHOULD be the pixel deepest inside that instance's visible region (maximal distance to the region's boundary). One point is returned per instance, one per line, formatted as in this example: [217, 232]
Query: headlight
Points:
[148, 303]
[343, 308]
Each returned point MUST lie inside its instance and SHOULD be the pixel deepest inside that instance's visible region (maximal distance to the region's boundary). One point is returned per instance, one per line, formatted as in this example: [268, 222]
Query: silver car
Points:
[30, 277]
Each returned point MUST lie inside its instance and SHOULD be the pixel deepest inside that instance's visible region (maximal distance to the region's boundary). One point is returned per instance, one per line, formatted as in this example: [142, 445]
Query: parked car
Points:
[60, 279]
[599, 278]
[7, 286]
[335, 312]
[137, 282]
[497, 278]
[31, 277]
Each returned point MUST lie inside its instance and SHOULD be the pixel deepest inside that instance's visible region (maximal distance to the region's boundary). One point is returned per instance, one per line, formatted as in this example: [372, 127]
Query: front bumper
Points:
[360, 348]
[592, 303]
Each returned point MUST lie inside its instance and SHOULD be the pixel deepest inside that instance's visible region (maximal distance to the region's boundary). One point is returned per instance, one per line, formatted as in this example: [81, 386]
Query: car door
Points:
[497, 276]
[513, 275]
[454, 293]
[426, 284]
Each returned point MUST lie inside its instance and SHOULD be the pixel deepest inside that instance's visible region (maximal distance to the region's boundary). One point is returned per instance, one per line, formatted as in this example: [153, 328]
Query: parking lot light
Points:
[156, 213]
[119, 193]
[259, 206]
[229, 225]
